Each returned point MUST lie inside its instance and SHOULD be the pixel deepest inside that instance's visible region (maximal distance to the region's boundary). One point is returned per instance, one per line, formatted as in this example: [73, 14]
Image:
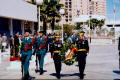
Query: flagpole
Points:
[114, 21]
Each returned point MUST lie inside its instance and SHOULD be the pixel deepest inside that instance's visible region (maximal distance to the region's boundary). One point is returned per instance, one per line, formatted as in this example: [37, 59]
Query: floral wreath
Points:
[70, 58]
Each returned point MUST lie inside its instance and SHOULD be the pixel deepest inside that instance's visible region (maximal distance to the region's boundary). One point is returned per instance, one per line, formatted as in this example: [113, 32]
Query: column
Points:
[11, 26]
[32, 27]
[22, 27]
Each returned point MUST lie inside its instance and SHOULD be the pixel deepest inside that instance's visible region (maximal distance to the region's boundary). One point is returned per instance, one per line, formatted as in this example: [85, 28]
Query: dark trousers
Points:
[11, 50]
[38, 57]
[16, 50]
[57, 62]
[81, 57]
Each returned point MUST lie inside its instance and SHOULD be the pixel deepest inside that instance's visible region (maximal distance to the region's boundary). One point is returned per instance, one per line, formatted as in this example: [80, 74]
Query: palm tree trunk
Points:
[44, 26]
[53, 23]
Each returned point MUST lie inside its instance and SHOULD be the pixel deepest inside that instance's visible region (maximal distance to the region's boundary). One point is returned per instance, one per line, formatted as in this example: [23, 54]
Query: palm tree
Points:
[93, 23]
[54, 14]
[49, 12]
[101, 23]
[44, 14]
[78, 25]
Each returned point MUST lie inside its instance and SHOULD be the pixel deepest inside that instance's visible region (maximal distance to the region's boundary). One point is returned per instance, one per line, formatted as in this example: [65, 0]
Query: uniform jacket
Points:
[25, 42]
[41, 43]
[82, 44]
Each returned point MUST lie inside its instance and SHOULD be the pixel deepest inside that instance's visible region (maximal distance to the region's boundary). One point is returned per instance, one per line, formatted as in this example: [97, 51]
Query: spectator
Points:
[74, 37]
[16, 43]
[12, 50]
[4, 42]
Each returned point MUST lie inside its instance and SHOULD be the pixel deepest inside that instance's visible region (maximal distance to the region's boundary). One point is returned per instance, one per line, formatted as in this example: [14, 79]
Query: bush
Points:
[67, 29]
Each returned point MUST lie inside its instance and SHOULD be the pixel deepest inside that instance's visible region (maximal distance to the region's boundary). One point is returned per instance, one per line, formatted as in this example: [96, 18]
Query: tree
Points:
[57, 27]
[101, 23]
[49, 12]
[67, 29]
[44, 14]
[54, 14]
[94, 23]
[78, 25]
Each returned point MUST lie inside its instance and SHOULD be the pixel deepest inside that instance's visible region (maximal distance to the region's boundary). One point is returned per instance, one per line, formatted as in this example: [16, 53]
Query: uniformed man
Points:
[41, 50]
[73, 37]
[51, 38]
[56, 50]
[35, 50]
[26, 53]
[83, 49]
[16, 44]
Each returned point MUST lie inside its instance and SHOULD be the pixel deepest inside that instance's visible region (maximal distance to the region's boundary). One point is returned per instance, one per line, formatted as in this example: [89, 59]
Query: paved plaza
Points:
[102, 63]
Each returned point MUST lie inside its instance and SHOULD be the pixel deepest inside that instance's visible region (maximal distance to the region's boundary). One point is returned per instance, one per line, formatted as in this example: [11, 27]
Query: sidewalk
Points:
[102, 63]
[103, 42]
[47, 60]
[16, 65]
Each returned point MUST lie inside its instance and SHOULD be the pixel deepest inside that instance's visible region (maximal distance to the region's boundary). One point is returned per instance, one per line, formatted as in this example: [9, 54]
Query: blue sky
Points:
[110, 7]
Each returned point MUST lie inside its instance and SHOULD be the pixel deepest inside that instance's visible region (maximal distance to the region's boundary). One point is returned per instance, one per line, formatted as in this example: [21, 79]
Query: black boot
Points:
[81, 76]
[58, 75]
[41, 71]
[26, 77]
[36, 70]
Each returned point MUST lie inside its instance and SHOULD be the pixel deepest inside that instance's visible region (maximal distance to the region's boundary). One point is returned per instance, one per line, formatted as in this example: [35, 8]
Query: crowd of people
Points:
[39, 44]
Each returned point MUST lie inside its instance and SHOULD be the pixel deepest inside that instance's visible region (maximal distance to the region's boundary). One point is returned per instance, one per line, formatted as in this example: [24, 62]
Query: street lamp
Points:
[39, 2]
[62, 12]
[90, 19]
[90, 28]
[114, 14]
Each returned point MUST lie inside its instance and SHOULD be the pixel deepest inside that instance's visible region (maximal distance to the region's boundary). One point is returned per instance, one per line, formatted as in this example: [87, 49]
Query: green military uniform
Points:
[26, 53]
[40, 51]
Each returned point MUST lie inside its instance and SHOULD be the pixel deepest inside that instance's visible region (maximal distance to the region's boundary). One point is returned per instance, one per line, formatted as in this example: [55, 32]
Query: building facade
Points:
[16, 16]
[76, 8]
[98, 7]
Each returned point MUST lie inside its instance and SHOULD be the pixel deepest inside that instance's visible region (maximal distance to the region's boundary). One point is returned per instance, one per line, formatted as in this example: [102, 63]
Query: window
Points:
[66, 20]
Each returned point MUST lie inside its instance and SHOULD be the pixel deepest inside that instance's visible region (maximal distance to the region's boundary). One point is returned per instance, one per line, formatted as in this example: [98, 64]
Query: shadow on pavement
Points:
[116, 79]
[39, 71]
[66, 75]
[77, 65]
[117, 72]
[31, 78]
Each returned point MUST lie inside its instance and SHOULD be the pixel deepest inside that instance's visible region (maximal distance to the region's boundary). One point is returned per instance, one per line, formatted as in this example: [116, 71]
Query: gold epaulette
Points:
[81, 50]
[56, 51]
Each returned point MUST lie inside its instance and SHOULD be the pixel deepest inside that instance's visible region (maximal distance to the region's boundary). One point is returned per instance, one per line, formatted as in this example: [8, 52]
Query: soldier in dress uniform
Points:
[35, 50]
[56, 50]
[51, 38]
[83, 48]
[26, 53]
[41, 50]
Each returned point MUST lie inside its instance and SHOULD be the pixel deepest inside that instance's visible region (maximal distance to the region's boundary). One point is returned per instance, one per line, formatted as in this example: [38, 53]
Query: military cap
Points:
[41, 32]
[27, 30]
[81, 33]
